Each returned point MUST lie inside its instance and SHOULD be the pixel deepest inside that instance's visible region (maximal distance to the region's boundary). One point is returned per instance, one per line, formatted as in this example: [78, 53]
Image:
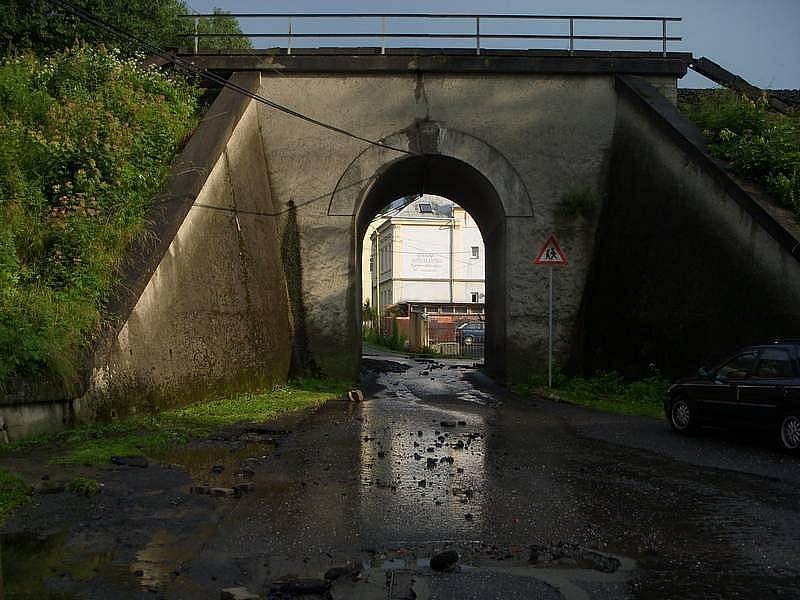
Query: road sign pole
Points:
[550, 336]
[551, 255]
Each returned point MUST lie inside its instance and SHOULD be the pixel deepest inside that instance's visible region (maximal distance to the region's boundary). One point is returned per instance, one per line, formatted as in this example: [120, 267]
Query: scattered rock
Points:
[448, 423]
[130, 461]
[355, 396]
[449, 459]
[424, 373]
[422, 483]
[417, 456]
[459, 445]
[221, 492]
[245, 473]
[445, 561]
[217, 469]
[238, 593]
[382, 454]
[432, 462]
[462, 423]
[419, 433]
[199, 489]
[429, 449]
[600, 562]
[469, 517]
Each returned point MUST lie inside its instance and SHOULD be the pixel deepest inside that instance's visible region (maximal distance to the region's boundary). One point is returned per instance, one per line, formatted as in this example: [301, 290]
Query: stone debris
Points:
[445, 561]
[448, 423]
[238, 593]
[432, 462]
[130, 461]
[222, 492]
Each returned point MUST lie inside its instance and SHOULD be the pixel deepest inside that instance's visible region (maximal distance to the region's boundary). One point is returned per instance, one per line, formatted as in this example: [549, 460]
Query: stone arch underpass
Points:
[253, 268]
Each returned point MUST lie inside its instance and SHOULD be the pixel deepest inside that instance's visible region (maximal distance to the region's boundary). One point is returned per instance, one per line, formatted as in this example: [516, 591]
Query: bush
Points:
[86, 139]
[759, 145]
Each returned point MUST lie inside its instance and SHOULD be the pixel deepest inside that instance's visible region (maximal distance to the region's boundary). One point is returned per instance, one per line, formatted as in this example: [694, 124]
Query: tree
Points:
[220, 23]
[43, 27]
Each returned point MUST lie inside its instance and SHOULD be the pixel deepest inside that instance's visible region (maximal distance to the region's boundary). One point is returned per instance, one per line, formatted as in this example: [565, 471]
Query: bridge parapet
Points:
[472, 29]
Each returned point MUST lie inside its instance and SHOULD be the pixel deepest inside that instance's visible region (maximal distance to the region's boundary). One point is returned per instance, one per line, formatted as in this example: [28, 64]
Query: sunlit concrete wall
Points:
[213, 316]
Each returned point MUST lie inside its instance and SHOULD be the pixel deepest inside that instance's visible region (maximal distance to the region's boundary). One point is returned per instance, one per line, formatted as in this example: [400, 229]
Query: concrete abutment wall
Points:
[256, 262]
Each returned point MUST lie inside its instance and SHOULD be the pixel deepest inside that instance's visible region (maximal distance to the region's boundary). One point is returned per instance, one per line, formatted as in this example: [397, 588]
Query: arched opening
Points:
[453, 179]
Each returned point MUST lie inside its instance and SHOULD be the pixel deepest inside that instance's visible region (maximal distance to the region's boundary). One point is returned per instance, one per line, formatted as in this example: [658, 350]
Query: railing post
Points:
[663, 37]
[196, 37]
[477, 35]
[383, 35]
[571, 35]
[289, 38]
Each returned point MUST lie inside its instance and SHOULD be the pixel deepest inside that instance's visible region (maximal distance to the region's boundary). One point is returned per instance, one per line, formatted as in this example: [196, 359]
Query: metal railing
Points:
[569, 21]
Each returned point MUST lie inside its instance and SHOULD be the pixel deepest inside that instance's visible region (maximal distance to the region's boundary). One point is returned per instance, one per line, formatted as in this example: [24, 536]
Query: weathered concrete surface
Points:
[688, 263]
[213, 314]
[533, 139]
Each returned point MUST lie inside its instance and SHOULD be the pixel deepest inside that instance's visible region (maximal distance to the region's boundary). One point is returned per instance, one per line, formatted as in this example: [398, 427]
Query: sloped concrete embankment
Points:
[689, 262]
[203, 305]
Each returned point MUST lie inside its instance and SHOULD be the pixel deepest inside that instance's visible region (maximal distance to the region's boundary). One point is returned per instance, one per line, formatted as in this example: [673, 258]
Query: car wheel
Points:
[680, 415]
[789, 432]
[468, 340]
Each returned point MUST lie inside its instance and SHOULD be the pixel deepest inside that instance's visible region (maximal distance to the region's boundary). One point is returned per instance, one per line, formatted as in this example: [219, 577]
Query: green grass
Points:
[146, 435]
[758, 144]
[13, 493]
[84, 485]
[608, 392]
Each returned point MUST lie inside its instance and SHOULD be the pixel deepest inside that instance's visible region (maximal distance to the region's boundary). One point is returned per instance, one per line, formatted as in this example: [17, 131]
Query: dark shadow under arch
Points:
[460, 182]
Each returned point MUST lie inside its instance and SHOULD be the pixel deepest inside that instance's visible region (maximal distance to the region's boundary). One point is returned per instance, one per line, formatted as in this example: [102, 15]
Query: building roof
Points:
[425, 206]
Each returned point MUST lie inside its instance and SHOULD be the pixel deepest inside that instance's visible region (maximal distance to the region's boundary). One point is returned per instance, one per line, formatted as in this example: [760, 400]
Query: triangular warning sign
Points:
[551, 254]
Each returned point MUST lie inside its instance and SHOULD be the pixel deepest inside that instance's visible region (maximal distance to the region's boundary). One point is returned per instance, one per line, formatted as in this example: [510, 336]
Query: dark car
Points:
[756, 387]
[471, 332]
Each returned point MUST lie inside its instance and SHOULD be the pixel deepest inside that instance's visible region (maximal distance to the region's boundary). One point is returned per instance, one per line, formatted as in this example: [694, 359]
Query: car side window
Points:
[738, 367]
[774, 363]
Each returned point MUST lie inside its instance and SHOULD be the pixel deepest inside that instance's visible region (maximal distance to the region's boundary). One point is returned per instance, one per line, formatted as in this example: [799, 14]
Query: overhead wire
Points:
[210, 76]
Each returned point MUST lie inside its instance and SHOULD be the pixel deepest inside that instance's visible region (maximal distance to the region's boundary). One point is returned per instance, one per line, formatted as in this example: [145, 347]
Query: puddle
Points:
[216, 464]
[45, 566]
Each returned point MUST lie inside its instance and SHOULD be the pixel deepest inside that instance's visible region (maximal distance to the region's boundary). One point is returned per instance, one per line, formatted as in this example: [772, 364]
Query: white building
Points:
[426, 250]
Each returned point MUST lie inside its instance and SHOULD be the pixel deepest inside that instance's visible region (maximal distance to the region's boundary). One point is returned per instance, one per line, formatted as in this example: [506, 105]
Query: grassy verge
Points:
[13, 493]
[607, 391]
[143, 435]
[760, 145]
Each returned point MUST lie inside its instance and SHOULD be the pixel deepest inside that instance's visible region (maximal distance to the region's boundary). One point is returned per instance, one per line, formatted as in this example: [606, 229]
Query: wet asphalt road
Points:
[541, 500]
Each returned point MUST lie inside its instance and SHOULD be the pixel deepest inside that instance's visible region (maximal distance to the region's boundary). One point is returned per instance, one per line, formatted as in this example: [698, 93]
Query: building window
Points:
[476, 252]
[475, 297]
[424, 207]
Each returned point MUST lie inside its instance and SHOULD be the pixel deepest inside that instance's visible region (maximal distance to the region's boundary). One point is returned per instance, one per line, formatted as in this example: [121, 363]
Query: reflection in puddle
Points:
[29, 562]
[427, 464]
[217, 465]
[164, 555]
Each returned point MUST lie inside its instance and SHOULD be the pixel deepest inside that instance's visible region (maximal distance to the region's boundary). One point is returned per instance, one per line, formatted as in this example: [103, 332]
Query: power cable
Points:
[206, 74]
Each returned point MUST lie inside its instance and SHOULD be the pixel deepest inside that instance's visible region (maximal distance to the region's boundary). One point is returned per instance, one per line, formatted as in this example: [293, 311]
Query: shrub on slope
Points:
[86, 139]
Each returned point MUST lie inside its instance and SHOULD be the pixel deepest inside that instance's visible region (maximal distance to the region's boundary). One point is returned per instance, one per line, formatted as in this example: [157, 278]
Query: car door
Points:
[716, 400]
[761, 396]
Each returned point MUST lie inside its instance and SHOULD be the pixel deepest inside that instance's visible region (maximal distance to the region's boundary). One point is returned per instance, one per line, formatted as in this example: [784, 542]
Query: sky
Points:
[757, 39]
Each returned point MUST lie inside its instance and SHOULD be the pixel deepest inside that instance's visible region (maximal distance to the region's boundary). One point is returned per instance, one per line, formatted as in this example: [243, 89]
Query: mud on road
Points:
[439, 485]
